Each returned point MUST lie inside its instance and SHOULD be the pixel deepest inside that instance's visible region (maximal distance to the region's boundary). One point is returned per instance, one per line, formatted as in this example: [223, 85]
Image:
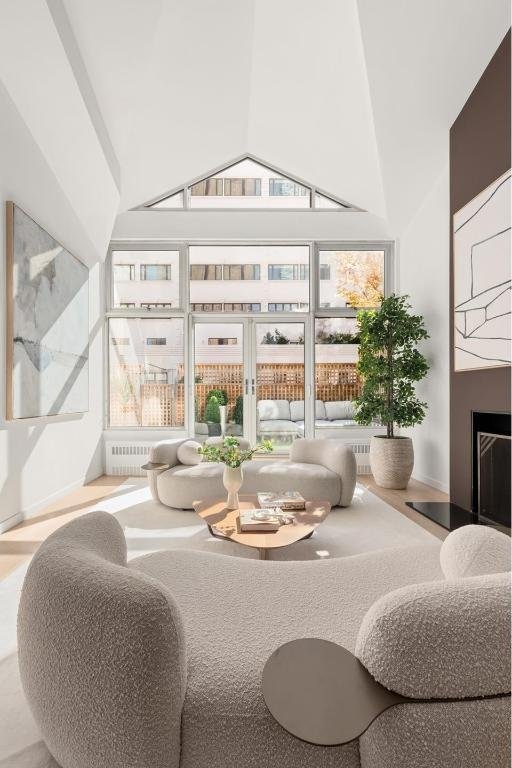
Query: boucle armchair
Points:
[323, 469]
[157, 662]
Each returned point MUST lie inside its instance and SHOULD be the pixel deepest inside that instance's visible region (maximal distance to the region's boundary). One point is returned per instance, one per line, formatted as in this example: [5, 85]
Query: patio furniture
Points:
[284, 419]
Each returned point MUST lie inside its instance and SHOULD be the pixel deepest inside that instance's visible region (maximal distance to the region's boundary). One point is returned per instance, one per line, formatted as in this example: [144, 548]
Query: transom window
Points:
[222, 341]
[248, 183]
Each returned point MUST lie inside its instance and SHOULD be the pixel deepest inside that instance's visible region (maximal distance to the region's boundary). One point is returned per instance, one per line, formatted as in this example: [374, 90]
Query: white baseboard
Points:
[33, 509]
[11, 522]
[431, 481]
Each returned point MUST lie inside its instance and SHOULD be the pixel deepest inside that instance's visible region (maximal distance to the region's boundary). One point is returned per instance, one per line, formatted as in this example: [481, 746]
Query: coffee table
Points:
[225, 523]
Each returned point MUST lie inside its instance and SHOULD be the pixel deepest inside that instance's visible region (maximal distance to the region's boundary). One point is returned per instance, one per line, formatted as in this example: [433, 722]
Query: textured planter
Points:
[391, 461]
[213, 428]
[232, 479]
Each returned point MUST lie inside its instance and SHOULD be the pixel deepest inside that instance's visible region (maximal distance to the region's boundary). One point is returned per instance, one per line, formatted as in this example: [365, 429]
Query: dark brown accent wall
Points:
[479, 153]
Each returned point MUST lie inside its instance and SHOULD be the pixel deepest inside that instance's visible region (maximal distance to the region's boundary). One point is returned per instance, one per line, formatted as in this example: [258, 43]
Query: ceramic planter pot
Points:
[232, 479]
[391, 461]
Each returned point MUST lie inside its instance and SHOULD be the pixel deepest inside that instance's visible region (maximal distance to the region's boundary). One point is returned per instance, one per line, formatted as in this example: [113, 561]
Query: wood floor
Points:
[20, 542]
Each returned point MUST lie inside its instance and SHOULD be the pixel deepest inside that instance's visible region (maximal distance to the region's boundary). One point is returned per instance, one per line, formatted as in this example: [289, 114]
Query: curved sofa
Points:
[158, 661]
[322, 469]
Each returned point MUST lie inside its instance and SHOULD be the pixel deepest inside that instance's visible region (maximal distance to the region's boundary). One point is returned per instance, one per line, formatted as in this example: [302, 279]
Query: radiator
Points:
[361, 450]
[126, 457]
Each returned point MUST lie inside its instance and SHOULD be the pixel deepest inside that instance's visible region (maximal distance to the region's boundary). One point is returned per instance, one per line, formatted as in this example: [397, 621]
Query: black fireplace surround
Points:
[490, 468]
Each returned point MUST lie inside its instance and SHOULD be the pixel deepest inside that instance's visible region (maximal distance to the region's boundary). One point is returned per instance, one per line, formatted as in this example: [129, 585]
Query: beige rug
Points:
[369, 524]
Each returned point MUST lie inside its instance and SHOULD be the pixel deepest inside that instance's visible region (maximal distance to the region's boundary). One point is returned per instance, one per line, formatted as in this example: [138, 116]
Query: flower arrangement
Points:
[230, 453]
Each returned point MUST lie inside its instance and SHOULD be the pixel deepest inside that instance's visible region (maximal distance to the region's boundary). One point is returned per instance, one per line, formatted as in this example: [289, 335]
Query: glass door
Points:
[278, 382]
[221, 380]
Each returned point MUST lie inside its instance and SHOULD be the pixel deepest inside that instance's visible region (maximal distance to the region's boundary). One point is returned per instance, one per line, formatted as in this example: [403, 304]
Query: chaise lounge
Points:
[158, 662]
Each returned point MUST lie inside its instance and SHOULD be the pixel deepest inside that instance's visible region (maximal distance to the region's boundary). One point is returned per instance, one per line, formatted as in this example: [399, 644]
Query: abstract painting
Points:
[47, 323]
[482, 279]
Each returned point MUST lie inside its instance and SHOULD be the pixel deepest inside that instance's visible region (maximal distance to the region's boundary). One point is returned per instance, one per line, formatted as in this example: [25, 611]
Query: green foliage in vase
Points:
[230, 453]
[212, 410]
[390, 365]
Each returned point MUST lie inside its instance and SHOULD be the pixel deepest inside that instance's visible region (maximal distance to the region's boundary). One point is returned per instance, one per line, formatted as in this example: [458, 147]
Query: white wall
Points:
[424, 260]
[41, 458]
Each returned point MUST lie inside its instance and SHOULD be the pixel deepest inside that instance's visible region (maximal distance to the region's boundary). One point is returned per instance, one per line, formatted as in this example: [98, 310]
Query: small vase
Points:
[232, 479]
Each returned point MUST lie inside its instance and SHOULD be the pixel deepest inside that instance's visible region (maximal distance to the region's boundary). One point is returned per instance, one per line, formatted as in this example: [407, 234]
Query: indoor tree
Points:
[390, 365]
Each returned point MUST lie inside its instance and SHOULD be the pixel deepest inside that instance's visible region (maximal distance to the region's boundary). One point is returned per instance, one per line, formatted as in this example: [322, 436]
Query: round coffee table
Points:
[225, 523]
[321, 693]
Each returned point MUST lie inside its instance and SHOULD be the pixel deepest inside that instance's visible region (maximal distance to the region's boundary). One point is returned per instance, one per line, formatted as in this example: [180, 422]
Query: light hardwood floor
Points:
[20, 542]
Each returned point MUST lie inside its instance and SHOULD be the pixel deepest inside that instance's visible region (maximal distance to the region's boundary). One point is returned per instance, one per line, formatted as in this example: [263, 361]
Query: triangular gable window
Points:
[248, 183]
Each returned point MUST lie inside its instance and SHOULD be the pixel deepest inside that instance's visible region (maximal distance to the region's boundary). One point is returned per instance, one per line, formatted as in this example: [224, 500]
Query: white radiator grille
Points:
[126, 458]
[361, 450]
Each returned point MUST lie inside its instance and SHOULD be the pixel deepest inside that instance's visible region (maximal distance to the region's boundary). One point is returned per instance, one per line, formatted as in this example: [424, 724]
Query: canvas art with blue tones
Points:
[47, 323]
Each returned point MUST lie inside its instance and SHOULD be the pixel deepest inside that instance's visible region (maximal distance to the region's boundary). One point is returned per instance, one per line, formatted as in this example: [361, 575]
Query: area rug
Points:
[368, 524]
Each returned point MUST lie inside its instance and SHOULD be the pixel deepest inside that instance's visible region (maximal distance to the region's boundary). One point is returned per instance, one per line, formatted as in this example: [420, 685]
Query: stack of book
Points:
[260, 520]
[285, 500]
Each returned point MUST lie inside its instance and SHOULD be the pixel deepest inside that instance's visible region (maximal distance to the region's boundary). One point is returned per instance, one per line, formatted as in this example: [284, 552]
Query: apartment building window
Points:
[325, 272]
[216, 341]
[155, 271]
[286, 188]
[242, 187]
[242, 307]
[155, 305]
[205, 307]
[208, 187]
[241, 272]
[157, 378]
[156, 341]
[280, 306]
[123, 272]
[206, 271]
[288, 272]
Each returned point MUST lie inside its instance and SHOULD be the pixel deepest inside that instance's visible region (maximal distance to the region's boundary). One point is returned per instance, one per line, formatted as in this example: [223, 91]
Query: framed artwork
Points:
[482, 279]
[47, 323]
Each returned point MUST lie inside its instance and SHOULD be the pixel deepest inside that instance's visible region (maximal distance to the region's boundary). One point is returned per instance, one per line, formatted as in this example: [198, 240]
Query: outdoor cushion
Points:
[340, 409]
[340, 423]
[274, 409]
[278, 425]
[187, 453]
[297, 410]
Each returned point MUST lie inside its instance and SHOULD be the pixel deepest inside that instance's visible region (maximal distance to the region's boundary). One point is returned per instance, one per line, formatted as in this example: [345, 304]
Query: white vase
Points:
[232, 479]
[222, 409]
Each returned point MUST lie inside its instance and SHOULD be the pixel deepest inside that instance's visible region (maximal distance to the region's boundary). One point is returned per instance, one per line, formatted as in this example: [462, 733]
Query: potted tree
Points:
[390, 365]
[212, 415]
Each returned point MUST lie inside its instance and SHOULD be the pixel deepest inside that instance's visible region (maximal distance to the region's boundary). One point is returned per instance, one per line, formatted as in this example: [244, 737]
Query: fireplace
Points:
[491, 463]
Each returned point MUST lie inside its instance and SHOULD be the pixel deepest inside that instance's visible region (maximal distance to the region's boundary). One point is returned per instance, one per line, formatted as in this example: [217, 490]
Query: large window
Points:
[355, 278]
[145, 279]
[282, 327]
[215, 272]
[146, 372]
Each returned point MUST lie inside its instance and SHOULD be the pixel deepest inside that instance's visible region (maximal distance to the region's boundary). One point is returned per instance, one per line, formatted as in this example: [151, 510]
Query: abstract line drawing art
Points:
[482, 279]
[47, 323]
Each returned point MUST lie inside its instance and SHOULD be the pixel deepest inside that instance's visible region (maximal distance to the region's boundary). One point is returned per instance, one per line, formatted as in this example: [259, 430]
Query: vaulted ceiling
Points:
[355, 96]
